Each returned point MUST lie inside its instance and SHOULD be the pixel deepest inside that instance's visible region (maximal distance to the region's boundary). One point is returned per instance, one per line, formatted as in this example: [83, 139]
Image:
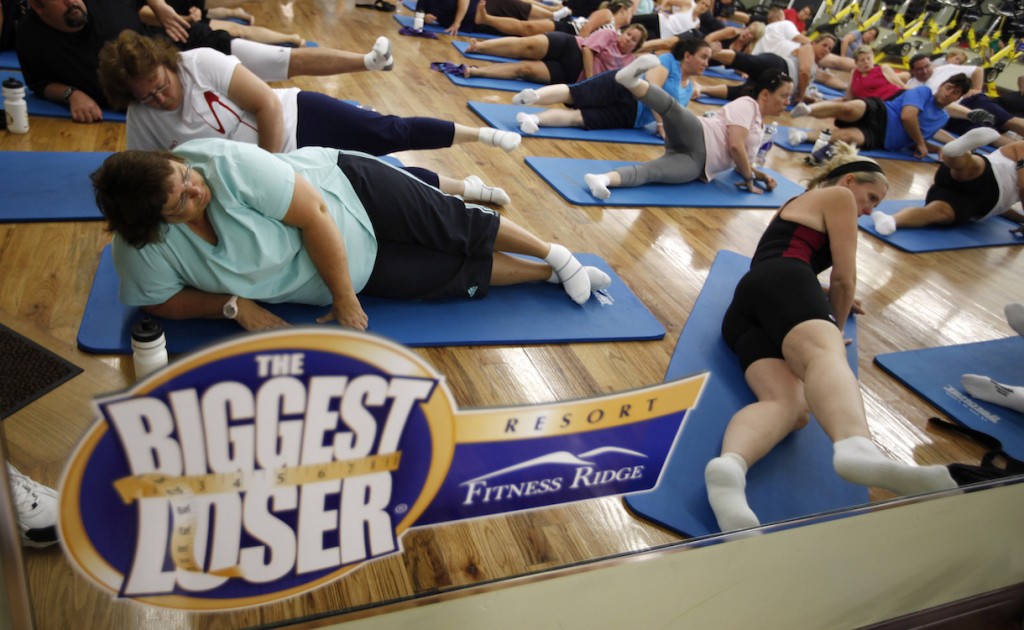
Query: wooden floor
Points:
[663, 254]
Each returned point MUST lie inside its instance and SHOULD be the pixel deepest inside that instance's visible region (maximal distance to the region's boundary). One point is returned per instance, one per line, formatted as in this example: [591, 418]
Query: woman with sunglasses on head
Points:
[699, 148]
[787, 334]
[207, 229]
[173, 97]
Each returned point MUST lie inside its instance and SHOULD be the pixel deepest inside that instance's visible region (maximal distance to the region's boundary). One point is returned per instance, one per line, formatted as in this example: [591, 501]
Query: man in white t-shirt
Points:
[923, 72]
[780, 36]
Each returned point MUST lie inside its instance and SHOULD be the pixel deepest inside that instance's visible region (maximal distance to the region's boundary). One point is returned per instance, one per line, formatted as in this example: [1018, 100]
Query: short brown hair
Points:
[131, 189]
[129, 57]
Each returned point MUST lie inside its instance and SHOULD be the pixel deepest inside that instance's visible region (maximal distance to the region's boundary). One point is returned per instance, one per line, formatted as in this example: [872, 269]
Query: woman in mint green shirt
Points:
[210, 228]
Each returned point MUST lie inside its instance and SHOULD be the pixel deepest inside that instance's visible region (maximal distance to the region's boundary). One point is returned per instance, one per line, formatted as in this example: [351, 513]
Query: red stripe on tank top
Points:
[804, 243]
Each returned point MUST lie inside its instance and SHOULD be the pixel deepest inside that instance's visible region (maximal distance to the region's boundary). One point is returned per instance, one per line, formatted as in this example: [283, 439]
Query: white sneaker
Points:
[800, 109]
[797, 136]
[37, 509]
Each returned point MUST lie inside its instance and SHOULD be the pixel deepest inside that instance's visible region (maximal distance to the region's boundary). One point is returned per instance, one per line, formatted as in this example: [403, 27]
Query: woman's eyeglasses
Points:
[160, 89]
[187, 183]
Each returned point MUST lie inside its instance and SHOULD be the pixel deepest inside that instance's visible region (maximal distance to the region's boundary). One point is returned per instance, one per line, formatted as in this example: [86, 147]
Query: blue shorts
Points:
[604, 103]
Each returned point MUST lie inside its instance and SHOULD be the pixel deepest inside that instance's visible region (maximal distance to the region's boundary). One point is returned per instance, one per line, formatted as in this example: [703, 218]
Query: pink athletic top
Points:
[743, 112]
[873, 84]
[607, 56]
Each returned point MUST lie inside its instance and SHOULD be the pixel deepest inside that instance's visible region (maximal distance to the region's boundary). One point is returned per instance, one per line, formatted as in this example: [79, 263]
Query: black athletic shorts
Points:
[872, 124]
[970, 200]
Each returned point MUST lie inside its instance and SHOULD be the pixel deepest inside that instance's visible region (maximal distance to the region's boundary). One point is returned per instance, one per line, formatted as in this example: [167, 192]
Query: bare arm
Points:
[595, 20]
[192, 303]
[911, 124]
[736, 137]
[83, 108]
[840, 216]
[844, 44]
[460, 13]
[256, 97]
[320, 234]
[174, 25]
[891, 76]
[977, 82]
[588, 62]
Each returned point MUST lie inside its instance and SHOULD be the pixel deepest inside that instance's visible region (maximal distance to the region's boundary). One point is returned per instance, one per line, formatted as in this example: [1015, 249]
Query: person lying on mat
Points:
[613, 14]
[870, 80]
[461, 15]
[195, 11]
[699, 147]
[800, 62]
[988, 389]
[59, 42]
[176, 96]
[602, 103]
[787, 335]
[905, 121]
[558, 57]
[206, 229]
[968, 187]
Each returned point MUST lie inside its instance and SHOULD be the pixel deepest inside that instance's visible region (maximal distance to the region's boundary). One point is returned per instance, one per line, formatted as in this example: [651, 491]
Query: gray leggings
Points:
[685, 153]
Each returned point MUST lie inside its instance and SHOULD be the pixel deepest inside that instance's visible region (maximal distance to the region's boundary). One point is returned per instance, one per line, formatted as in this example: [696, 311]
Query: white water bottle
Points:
[824, 139]
[766, 144]
[149, 347]
[417, 21]
[15, 108]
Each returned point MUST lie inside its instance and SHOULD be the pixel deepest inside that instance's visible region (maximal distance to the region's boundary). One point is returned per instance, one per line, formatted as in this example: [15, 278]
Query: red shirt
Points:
[791, 15]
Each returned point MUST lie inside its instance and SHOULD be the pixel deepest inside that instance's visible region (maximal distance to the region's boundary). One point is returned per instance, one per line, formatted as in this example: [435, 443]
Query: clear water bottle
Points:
[149, 347]
[766, 144]
[417, 20]
[15, 108]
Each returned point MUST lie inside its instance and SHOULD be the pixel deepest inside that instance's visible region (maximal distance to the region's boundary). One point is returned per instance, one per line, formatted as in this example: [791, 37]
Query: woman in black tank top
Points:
[787, 333]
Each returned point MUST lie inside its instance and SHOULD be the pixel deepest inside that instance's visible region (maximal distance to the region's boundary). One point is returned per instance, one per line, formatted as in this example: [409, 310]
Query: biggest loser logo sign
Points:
[266, 466]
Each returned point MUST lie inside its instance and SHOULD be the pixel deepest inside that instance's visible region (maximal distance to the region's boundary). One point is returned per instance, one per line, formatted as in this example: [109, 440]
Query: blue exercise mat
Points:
[512, 315]
[934, 374]
[782, 140]
[406, 20]
[42, 107]
[504, 85]
[721, 72]
[795, 479]
[992, 232]
[565, 175]
[463, 46]
[503, 116]
[9, 59]
[48, 186]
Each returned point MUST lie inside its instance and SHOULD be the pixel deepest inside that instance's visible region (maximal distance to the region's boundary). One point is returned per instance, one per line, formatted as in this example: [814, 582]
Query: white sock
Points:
[989, 390]
[599, 280]
[977, 137]
[630, 75]
[379, 58]
[1015, 317]
[528, 123]
[598, 185]
[885, 224]
[528, 96]
[859, 461]
[797, 136]
[726, 481]
[507, 140]
[561, 14]
[575, 281]
[476, 190]
[800, 109]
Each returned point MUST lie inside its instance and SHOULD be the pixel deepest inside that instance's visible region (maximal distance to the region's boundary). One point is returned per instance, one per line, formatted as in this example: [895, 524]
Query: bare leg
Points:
[257, 33]
[934, 213]
[558, 261]
[534, 47]
[715, 91]
[512, 26]
[724, 56]
[548, 95]
[815, 352]
[754, 430]
[534, 71]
